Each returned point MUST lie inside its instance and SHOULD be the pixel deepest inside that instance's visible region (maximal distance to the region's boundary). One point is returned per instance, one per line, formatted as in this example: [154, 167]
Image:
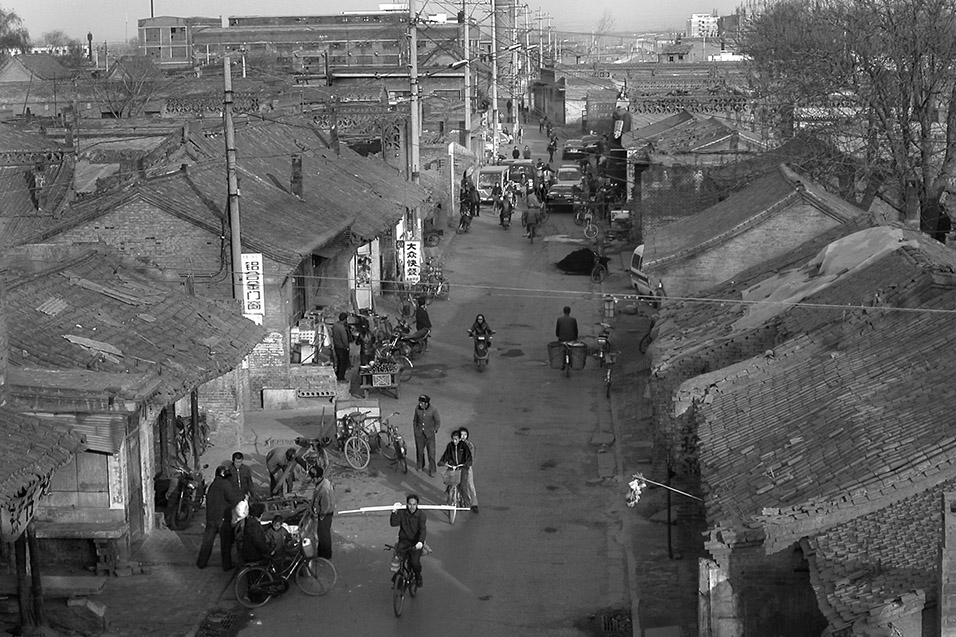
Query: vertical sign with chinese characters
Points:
[253, 296]
[413, 261]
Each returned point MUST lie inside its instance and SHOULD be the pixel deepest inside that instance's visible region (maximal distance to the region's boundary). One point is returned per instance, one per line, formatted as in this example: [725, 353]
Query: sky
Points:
[116, 20]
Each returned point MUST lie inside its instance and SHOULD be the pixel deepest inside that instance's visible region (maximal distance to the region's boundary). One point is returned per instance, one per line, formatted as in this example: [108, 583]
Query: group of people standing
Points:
[234, 511]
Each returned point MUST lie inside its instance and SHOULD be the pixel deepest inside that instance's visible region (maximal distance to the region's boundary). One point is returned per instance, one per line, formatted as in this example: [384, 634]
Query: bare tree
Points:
[13, 35]
[55, 39]
[872, 77]
[604, 26]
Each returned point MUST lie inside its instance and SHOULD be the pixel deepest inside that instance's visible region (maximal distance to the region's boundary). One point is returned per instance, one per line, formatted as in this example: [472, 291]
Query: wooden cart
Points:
[380, 377]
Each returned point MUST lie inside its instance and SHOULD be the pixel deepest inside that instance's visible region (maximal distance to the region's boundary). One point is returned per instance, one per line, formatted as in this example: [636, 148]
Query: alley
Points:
[535, 560]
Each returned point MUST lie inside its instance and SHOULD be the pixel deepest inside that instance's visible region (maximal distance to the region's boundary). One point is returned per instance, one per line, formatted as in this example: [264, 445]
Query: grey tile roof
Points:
[43, 65]
[95, 312]
[875, 560]
[767, 196]
[846, 416]
[31, 449]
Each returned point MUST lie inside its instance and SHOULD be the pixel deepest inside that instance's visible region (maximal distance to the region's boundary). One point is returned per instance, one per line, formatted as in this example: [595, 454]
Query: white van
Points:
[641, 282]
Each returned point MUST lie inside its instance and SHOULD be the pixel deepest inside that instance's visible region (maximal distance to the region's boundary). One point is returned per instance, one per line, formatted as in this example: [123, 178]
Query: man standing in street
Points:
[422, 320]
[221, 499]
[323, 507]
[425, 425]
[552, 147]
[340, 345]
[241, 476]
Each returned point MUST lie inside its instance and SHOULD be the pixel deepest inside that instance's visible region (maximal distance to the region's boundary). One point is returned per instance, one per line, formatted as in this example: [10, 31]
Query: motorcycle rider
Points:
[480, 326]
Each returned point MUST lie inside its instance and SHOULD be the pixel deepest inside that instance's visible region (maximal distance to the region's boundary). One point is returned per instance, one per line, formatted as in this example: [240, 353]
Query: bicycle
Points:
[259, 582]
[604, 343]
[403, 578]
[355, 438]
[391, 444]
[599, 271]
[610, 360]
[184, 436]
[590, 228]
[453, 497]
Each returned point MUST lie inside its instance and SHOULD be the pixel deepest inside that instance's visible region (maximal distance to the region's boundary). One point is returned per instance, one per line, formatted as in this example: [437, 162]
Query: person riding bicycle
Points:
[480, 327]
[411, 523]
[457, 453]
[532, 214]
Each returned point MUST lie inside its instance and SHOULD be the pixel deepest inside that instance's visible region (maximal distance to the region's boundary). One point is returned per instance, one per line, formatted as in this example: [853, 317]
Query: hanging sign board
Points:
[412, 258]
[253, 296]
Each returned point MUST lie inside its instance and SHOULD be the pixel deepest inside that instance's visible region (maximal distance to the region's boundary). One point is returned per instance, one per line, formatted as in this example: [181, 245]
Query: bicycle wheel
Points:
[453, 499]
[404, 368]
[579, 218]
[645, 342]
[404, 463]
[357, 452]
[316, 576]
[385, 446]
[398, 594]
[249, 586]
[599, 273]
[590, 231]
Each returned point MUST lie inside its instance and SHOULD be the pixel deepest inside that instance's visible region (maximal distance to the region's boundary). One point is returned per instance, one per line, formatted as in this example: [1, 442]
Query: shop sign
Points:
[253, 296]
[413, 261]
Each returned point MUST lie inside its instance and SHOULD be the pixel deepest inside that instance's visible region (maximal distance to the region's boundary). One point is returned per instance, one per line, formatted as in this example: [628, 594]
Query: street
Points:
[538, 559]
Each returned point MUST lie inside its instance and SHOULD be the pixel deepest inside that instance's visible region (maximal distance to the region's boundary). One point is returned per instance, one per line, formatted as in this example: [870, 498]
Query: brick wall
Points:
[772, 593]
[140, 230]
[672, 193]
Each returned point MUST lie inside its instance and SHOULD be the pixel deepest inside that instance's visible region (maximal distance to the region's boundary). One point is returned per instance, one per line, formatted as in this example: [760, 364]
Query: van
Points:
[641, 282]
[488, 176]
[521, 170]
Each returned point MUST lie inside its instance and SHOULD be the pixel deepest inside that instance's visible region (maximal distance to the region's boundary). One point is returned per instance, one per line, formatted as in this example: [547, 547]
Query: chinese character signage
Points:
[413, 261]
[253, 296]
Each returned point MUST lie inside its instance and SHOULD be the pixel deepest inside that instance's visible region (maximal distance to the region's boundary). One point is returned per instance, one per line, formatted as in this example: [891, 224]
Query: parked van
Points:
[521, 170]
[488, 176]
[641, 282]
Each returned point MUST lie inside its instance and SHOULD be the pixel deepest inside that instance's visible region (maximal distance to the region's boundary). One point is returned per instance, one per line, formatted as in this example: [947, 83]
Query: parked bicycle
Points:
[403, 578]
[259, 582]
[610, 359]
[453, 496]
[184, 438]
[357, 434]
[603, 343]
[590, 228]
[391, 444]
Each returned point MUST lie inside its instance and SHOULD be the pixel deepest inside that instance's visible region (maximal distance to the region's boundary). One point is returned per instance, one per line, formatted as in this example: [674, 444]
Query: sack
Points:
[241, 511]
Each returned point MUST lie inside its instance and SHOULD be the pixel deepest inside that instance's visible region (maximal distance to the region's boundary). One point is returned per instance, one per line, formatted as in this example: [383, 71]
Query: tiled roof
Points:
[652, 131]
[773, 193]
[845, 416]
[859, 566]
[20, 150]
[42, 65]
[95, 312]
[30, 451]
[346, 186]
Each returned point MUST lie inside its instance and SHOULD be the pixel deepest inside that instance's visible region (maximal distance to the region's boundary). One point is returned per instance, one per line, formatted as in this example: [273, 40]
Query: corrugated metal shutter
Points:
[104, 432]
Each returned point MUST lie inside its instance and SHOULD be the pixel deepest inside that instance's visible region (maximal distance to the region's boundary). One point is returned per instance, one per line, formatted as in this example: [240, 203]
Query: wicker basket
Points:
[451, 477]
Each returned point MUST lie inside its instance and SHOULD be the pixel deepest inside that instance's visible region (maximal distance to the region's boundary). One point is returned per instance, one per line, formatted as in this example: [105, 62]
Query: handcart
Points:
[381, 375]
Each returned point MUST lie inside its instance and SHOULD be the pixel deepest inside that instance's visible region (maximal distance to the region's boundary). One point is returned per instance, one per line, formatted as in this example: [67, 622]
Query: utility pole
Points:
[515, 104]
[494, 82]
[538, 20]
[414, 123]
[527, 53]
[232, 176]
[467, 52]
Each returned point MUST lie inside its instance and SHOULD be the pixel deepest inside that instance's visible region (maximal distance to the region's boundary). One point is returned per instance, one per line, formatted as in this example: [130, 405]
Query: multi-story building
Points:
[168, 40]
[702, 25]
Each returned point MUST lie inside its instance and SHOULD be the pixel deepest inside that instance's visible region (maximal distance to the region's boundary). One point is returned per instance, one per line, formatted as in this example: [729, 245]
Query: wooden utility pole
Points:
[232, 176]
[414, 122]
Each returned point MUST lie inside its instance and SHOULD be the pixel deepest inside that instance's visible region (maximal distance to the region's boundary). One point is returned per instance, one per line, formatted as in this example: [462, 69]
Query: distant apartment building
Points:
[702, 25]
[168, 40]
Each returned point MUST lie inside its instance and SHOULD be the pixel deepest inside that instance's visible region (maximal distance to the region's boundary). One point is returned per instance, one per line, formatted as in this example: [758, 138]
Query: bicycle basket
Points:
[451, 477]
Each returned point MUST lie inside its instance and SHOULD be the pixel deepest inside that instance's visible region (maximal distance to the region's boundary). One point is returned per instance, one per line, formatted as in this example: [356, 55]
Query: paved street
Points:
[537, 559]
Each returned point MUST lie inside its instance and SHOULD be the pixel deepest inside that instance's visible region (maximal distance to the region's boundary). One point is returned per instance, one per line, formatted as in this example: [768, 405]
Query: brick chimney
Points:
[296, 183]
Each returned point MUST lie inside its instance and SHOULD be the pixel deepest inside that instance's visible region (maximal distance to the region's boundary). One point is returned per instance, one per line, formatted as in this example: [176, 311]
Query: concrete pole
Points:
[494, 83]
[414, 122]
[467, 52]
[232, 177]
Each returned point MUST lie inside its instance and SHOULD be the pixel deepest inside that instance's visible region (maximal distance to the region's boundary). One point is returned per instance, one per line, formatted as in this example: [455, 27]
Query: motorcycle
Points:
[179, 496]
[414, 344]
[482, 349]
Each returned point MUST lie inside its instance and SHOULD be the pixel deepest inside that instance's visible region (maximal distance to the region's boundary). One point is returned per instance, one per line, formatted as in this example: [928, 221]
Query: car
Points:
[520, 171]
[561, 197]
[592, 144]
[573, 149]
[488, 176]
[567, 174]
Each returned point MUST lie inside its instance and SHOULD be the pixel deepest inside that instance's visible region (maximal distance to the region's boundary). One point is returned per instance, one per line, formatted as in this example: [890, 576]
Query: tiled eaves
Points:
[868, 434]
[31, 450]
[873, 562]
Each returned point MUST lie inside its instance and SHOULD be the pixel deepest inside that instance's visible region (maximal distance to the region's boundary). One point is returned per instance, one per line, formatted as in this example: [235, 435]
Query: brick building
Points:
[823, 471]
[772, 216]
